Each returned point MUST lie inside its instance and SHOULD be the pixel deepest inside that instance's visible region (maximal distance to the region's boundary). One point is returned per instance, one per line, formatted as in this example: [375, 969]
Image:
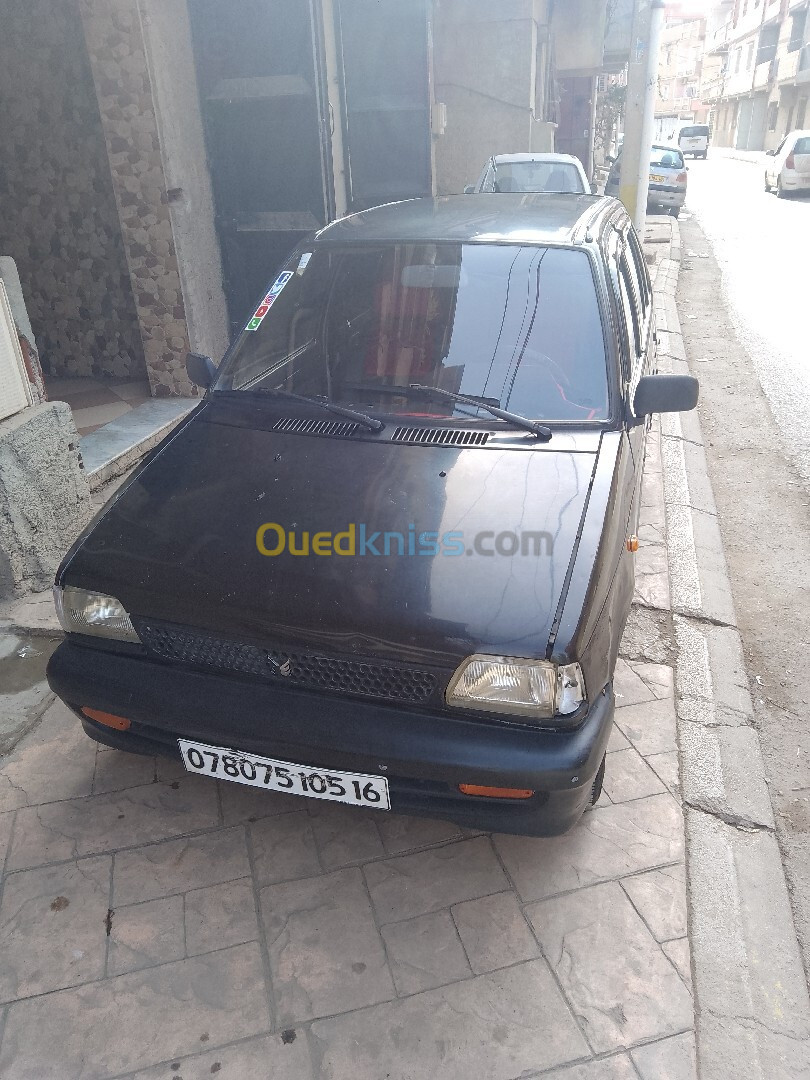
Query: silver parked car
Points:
[788, 167]
[533, 172]
[668, 176]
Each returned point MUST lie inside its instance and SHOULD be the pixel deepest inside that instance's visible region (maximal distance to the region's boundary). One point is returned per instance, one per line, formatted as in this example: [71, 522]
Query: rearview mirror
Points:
[200, 369]
[665, 393]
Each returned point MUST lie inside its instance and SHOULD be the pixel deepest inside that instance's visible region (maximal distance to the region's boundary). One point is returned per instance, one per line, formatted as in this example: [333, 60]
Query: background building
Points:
[160, 157]
[762, 90]
[680, 72]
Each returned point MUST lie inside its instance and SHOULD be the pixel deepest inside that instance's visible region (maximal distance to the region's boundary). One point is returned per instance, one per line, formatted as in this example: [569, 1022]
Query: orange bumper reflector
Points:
[495, 792]
[120, 723]
[632, 543]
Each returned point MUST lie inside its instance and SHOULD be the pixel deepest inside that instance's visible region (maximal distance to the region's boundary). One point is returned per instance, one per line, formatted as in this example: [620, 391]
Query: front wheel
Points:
[598, 780]
[675, 211]
[780, 191]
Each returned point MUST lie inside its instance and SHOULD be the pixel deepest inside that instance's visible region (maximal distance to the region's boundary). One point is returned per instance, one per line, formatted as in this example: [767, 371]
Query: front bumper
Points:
[425, 756]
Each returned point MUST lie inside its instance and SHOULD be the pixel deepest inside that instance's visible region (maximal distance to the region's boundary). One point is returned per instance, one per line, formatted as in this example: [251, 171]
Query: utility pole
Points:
[639, 118]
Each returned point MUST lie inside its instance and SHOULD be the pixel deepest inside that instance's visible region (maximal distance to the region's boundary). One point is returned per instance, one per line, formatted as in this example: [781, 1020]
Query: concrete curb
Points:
[752, 1008]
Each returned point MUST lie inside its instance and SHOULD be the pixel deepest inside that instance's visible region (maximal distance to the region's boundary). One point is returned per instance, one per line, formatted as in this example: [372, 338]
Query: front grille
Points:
[440, 436]
[361, 678]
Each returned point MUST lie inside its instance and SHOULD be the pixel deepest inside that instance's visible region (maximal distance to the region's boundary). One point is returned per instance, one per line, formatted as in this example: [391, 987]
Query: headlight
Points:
[93, 613]
[525, 690]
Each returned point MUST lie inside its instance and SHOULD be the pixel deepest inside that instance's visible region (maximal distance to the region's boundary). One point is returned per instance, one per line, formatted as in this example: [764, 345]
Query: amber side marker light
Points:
[632, 543]
[120, 723]
[495, 792]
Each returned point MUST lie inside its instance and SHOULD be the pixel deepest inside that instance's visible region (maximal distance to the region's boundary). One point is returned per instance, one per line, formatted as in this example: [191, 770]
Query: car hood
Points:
[179, 543]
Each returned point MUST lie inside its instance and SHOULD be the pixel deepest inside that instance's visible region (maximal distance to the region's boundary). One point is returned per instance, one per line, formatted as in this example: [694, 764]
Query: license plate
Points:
[358, 789]
[655, 179]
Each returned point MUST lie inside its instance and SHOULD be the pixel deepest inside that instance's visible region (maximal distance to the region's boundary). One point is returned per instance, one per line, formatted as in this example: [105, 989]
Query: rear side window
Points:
[537, 176]
[802, 146]
[666, 158]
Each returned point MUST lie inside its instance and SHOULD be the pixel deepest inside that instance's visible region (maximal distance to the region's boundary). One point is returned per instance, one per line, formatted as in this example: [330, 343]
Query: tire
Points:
[675, 211]
[767, 185]
[780, 191]
[598, 780]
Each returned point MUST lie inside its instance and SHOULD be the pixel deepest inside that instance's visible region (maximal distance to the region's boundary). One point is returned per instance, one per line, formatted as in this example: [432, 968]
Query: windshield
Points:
[536, 176]
[666, 158]
[519, 326]
[698, 132]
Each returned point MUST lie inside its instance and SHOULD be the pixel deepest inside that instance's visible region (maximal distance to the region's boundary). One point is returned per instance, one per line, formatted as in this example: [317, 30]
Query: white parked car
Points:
[788, 167]
[533, 172]
[694, 140]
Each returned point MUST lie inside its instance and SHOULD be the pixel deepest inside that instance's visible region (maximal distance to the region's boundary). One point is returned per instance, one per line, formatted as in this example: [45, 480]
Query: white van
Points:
[694, 140]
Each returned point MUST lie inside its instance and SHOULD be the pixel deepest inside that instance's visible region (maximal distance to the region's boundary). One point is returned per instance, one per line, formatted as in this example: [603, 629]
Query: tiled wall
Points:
[58, 217]
[116, 50]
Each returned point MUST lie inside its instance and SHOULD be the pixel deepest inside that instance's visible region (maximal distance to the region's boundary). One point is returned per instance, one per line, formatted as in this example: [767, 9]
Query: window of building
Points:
[800, 113]
[797, 30]
[750, 57]
[773, 111]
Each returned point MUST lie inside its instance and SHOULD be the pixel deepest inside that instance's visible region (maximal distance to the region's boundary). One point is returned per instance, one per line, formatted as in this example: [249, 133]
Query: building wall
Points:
[59, 220]
[117, 58]
[486, 72]
[679, 72]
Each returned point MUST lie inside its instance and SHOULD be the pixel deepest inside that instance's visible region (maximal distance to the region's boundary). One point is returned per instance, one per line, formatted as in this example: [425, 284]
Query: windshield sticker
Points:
[269, 300]
[304, 260]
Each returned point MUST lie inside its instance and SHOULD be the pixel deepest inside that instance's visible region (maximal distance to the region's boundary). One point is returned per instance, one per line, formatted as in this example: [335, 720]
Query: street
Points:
[762, 246]
[743, 300]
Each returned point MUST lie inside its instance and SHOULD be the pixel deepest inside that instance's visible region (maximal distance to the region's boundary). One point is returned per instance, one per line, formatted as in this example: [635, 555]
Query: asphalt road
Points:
[744, 304]
[762, 245]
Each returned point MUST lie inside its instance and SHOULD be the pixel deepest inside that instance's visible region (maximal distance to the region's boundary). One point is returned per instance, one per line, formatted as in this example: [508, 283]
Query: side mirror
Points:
[469, 189]
[200, 369]
[770, 153]
[665, 393]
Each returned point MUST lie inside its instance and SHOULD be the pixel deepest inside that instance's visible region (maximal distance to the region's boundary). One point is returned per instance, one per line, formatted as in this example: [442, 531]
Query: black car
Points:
[388, 559]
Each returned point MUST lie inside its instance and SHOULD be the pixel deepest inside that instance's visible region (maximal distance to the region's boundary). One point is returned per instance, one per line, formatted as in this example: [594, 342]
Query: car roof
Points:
[513, 159]
[550, 217]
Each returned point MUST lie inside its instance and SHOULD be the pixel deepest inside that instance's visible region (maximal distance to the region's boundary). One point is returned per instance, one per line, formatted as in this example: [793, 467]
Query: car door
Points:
[634, 293]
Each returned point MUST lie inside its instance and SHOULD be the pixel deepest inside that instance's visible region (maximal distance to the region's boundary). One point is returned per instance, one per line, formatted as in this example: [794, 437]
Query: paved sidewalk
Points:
[156, 925]
[754, 157]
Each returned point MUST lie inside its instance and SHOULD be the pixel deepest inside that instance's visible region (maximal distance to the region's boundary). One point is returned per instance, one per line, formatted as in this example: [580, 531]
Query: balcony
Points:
[719, 40]
[765, 74]
[803, 64]
[789, 65]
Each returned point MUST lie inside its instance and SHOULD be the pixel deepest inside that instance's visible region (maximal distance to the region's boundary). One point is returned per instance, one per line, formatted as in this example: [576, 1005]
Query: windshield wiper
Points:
[339, 410]
[540, 431]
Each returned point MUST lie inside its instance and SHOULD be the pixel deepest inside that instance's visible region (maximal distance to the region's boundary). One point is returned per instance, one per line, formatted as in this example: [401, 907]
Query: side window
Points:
[626, 329]
[630, 287]
[640, 265]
